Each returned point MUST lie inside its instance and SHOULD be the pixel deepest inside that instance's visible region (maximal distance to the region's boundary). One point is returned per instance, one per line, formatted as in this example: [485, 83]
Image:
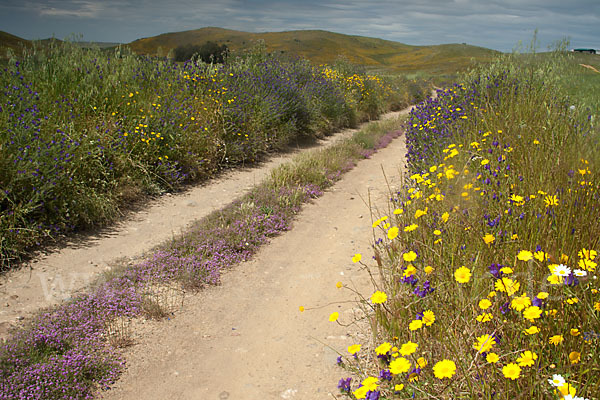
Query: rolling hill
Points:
[12, 42]
[324, 47]
[318, 46]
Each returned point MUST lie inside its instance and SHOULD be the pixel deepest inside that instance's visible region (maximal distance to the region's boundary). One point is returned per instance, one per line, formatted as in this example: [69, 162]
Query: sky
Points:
[494, 24]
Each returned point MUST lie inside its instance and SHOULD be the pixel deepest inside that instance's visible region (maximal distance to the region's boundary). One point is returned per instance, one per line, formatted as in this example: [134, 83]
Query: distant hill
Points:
[324, 47]
[320, 47]
[12, 42]
[100, 45]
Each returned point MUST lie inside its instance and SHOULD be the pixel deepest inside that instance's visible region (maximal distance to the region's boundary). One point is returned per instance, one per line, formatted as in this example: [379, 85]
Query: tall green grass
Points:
[487, 259]
[84, 132]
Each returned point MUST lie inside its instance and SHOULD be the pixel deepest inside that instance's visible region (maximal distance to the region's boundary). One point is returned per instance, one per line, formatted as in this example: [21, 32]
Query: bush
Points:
[209, 52]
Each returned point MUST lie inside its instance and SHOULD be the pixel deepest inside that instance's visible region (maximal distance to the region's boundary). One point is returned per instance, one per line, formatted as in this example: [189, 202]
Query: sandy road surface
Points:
[246, 338]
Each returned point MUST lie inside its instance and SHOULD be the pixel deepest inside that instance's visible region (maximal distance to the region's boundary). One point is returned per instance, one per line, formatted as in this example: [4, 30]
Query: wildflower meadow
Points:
[160, 125]
[485, 267]
[86, 132]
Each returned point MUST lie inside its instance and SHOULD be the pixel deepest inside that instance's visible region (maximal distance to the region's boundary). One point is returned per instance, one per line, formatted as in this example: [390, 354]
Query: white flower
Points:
[561, 270]
[557, 380]
[580, 272]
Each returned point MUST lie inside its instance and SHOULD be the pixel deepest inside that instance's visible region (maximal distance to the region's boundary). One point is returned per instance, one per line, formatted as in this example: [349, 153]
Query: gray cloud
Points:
[498, 24]
[78, 9]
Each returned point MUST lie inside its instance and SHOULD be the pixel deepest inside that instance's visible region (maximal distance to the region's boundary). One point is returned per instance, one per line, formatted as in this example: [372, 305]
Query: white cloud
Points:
[79, 9]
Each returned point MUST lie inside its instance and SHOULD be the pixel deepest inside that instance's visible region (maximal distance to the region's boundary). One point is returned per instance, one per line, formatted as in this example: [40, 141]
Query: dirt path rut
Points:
[55, 276]
[246, 338]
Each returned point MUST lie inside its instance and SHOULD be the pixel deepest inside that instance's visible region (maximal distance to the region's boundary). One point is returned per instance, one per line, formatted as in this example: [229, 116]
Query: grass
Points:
[72, 350]
[485, 274]
[86, 132]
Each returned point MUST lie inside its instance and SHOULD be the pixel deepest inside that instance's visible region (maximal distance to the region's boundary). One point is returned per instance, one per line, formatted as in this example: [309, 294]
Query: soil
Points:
[246, 338]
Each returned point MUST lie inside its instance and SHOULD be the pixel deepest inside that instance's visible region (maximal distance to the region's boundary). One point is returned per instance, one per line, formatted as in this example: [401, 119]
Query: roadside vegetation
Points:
[141, 125]
[485, 267]
[85, 132]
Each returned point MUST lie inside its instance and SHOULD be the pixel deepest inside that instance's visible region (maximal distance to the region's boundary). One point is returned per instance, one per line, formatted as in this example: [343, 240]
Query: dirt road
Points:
[52, 278]
[247, 339]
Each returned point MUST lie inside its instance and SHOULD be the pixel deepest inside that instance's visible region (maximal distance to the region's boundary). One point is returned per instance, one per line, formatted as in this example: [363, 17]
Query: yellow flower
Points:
[518, 200]
[421, 362]
[507, 285]
[399, 366]
[511, 371]
[492, 358]
[398, 211]
[484, 343]
[334, 316]
[531, 313]
[444, 369]
[410, 256]
[488, 238]
[597, 306]
[399, 387]
[525, 255]
[353, 349]
[527, 359]
[484, 304]
[588, 254]
[519, 303]
[410, 228]
[339, 285]
[370, 383]
[575, 332]
[445, 217]
[356, 258]
[378, 297]
[428, 269]
[408, 348]
[542, 295]
[551, 201]
[437, 232]
[392, 233]
[410, 270]
[420, 213]
[567, 390]
[485, 317]
[532, 330]
[506, 270]
[415, 325]
[361, 392]
[556, 339]
[462, 274]
[554, 279]
[574, 357]
[540, 256]
[301, 308]
[383, 348]
[428, 317]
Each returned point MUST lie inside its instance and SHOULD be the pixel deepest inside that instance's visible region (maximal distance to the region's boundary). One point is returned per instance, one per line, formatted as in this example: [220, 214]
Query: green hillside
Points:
[324, 47]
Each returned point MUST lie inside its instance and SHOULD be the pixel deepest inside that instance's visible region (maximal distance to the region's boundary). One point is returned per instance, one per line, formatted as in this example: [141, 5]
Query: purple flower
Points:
[344, 384]
[385, 374]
